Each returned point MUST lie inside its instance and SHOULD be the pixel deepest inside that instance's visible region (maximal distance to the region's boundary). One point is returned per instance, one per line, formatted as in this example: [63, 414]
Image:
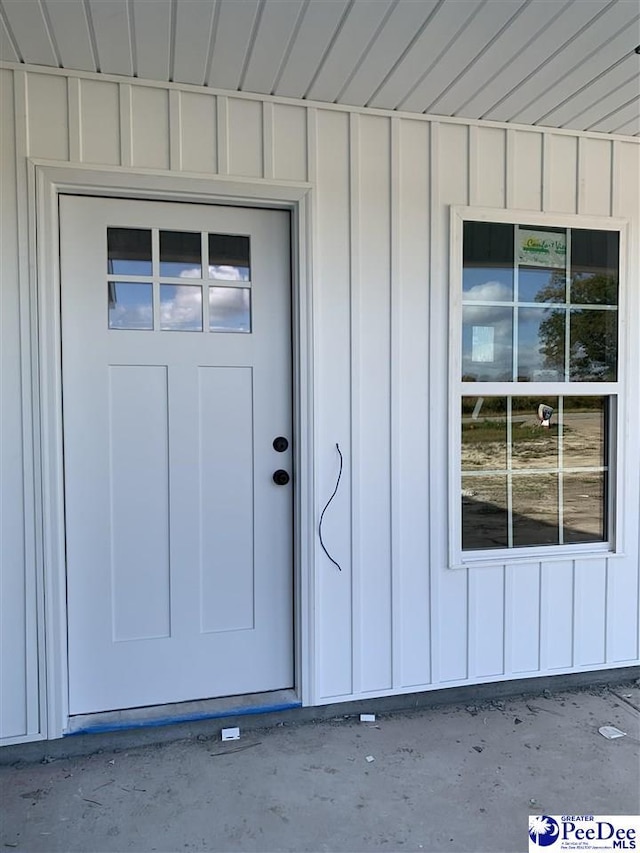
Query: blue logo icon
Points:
[543, 830]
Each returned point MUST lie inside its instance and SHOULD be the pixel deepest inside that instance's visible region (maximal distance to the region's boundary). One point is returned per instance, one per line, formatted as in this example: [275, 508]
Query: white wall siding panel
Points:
[370, 402]
[561, 173]
[556, 617]
[594, 176]
[198, 132]
[245, 137]
[329, 154]
[486, 622]
[100, 122]
[590, 594]
[393, 616]
[13, 603]
[525, 170]
[150, 127]
[487, 166]
[48, 117]
[523, 612]
[410, 408]
[289, 143]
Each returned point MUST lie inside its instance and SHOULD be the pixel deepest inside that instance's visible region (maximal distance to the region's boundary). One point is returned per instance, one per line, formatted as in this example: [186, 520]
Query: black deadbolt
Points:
[280, 477]
[280, 444]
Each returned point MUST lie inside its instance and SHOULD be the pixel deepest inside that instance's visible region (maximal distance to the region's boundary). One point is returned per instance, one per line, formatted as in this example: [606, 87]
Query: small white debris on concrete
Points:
[611, 732]
[370, 758]
[230, 734]
[367, 718]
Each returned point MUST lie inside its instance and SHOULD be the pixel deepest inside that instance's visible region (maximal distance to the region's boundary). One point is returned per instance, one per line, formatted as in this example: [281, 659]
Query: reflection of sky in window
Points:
[229, 309]
[532, 283]
[118, 266]
[180, 308]
[493, 284]
[130, 306]
[226, 272]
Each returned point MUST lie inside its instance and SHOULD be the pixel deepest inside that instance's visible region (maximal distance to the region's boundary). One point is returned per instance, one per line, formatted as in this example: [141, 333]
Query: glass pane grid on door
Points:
[189, 281]
[525, 484]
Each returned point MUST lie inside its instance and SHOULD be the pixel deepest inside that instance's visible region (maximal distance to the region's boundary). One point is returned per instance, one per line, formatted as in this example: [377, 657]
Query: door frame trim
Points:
[46, 181]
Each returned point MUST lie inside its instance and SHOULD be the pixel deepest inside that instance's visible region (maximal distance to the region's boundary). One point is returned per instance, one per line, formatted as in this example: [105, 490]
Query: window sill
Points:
[522, 556]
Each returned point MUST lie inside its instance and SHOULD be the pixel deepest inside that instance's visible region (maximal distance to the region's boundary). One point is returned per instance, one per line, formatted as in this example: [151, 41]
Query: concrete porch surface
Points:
[460, 777]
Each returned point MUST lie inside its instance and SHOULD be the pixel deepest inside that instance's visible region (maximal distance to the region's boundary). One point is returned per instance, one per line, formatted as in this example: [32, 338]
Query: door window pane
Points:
[594, 338]
[541, 334]
[229, 309]
[229, 257]
[487, 343]
[180, 307]
[129, 251]
[130, 305]
[180, 254]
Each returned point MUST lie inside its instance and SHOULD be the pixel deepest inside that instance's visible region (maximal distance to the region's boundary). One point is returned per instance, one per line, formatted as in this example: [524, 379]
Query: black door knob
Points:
[280, 477]
[280, 444]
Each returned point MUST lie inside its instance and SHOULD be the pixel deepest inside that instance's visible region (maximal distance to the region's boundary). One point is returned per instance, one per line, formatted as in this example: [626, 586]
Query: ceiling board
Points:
[110, 20]
[469, 42]
[153, 34]
[232, 40]
[444, 28]
[359, 30]
[319, 25]
[30, 32]
[277, 26]
[7, 49]
[71, 32]
[610, 121]
[193, 32]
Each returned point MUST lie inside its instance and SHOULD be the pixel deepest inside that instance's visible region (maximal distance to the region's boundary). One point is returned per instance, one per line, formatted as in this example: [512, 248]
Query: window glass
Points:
[180, 254]
[487, 274]
[584, 430]
[541, 353]
[130, 305]
[541, 285]
[129, 251]
[485, 515]
[180, 307]
[487, 343]
[534, 500]
[584, 506]
[593, 345]
[229, 309]
[229, 257]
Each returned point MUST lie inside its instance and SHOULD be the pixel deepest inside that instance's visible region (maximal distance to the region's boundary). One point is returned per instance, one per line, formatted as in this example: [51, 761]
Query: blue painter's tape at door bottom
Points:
[100, 728]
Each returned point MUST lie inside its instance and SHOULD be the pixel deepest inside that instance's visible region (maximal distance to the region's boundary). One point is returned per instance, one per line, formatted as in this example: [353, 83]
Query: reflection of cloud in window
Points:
[130, 316]
[489, 291]
[180, 307]
[194, 272]
[229, 273]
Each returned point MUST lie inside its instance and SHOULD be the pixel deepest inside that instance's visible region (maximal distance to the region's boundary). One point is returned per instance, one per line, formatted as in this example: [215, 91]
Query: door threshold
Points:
[183, 712]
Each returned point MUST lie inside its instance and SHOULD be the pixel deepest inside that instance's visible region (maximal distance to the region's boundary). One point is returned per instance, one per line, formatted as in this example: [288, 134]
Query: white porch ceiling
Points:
[555, 63]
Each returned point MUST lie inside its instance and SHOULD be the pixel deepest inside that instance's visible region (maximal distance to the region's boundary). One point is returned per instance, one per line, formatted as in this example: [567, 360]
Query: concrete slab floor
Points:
[453, 778]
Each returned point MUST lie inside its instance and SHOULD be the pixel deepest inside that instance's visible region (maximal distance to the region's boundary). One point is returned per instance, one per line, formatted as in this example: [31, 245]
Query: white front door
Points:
[176, 362]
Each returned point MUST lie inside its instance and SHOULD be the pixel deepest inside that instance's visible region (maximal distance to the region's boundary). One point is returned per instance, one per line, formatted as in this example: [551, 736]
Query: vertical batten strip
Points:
[310, 680]
[435, 373]
[473, 165]
[510, 169]
[545, 195]
[175, 130]
[126, 125]
[222, 129]
[354, 272]
[28, 358]
[75, 127]
[268, 149]
[581, 173]
[395, 426]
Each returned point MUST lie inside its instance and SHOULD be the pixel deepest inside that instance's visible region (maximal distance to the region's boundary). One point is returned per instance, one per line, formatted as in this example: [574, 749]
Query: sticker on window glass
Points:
[542, 248]
[482, 348]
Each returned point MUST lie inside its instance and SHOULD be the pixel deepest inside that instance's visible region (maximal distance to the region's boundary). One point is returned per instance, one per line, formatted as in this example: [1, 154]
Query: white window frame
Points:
[613, 546]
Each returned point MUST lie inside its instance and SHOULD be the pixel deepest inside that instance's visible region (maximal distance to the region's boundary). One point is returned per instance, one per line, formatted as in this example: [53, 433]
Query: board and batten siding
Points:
[395, 619]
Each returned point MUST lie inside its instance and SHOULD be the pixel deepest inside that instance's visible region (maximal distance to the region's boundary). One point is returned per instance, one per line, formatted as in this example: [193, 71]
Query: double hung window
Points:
[535, 317]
